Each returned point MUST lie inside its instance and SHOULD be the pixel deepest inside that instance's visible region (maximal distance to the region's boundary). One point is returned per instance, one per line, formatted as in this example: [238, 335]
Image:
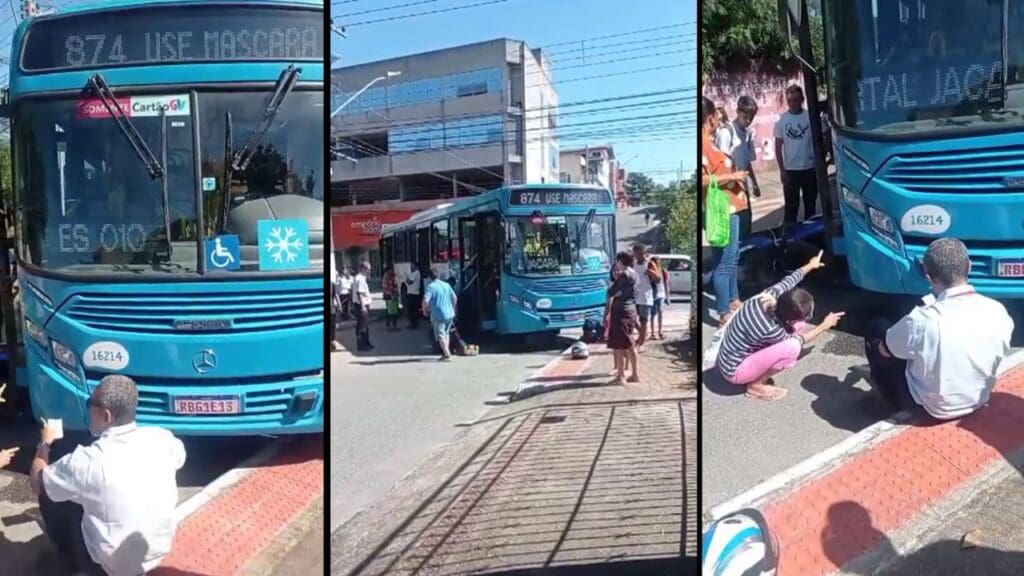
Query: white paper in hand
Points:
[57, 425]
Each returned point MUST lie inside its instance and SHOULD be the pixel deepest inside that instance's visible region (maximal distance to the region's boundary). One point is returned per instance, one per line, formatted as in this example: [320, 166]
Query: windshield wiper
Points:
[154, 166]
[283, 87]
[237, 161]
[131, 134]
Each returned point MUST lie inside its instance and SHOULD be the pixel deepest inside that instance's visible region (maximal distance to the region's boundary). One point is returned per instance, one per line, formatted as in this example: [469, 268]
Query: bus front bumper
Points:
[877, 266]
[275, 408]
[522, 321]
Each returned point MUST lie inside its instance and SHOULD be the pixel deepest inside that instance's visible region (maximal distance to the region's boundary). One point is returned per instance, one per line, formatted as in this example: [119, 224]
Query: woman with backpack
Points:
[718, 177]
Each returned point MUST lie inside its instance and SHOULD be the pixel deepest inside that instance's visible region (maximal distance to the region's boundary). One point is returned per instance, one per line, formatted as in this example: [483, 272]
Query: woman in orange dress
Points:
[726, 259]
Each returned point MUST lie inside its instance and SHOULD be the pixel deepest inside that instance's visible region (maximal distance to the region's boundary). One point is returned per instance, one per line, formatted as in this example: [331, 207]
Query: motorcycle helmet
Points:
[739, 544]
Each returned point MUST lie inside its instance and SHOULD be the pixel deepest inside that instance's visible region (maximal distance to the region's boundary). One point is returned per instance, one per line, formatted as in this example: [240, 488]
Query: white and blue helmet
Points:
[739, 544]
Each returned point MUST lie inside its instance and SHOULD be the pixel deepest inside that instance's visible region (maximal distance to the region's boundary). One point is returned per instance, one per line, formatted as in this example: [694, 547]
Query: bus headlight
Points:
[35, 332]
[527, 305]
[63, 355]
[881, 222]
[852, 199]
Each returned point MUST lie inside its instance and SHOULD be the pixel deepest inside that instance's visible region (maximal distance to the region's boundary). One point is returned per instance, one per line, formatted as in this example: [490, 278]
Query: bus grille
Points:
[559, 286]
[958, 172]
[159, 313]
[264, 401]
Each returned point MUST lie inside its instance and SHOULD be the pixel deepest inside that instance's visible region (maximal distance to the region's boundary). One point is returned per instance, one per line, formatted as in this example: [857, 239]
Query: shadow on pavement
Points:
[556, 490]
[842, 405]
[850, 521]
[417, 345]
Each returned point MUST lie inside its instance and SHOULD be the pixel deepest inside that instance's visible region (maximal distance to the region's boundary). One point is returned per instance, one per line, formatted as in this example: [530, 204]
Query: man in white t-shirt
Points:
[644, 291]
[345, 291]
[794, 152]
[109, 507]
[361, 302]
[413, 298]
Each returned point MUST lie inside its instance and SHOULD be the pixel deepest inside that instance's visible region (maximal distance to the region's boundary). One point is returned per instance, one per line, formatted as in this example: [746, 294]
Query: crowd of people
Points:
[728, 154]
[939, 361]
[634, 312]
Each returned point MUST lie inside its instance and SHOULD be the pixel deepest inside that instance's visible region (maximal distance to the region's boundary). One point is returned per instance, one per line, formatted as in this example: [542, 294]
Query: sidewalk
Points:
[899, 497]
[661, 366]
[599, 479]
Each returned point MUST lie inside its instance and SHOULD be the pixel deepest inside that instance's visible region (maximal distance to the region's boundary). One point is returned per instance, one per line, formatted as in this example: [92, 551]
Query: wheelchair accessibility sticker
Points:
[284, 244]
[223, 252]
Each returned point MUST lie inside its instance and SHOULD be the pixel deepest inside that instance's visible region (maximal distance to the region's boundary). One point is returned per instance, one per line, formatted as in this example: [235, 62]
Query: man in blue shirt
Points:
[439, 303]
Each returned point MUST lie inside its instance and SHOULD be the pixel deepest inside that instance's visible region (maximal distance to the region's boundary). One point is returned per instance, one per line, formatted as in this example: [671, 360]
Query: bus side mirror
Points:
[5, 103]
[790, 13]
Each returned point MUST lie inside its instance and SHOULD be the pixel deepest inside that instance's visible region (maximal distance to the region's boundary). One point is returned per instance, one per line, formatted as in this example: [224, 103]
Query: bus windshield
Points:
[88, 202]
[89, 205]
[904, 66]
[559, 245]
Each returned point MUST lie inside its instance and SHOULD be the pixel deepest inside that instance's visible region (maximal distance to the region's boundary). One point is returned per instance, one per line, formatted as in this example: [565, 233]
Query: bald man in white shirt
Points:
[943, 357]
[109, 507]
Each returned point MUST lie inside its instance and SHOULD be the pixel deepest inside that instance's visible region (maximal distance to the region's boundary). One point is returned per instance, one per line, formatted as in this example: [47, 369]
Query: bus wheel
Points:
[536, 340]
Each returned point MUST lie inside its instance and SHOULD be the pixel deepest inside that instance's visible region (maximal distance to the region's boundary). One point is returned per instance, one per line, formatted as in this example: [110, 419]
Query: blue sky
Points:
[541, 23]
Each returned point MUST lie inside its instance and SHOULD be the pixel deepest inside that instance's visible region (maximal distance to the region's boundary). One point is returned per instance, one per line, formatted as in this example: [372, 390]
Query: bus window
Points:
[387, 254]
[539, 245]
[439, 241]
[401, 248]
[456, 241]
[593, 243]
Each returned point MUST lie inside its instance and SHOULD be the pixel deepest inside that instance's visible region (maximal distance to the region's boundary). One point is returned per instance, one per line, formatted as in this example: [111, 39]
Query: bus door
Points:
[491, 243]
[470, 311]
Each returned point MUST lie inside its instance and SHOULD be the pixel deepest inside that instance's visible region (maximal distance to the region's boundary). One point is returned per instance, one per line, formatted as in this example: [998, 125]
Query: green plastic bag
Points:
[716, 215]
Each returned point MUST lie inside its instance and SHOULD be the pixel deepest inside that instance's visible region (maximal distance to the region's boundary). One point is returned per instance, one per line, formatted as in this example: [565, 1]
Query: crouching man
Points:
[943, 357]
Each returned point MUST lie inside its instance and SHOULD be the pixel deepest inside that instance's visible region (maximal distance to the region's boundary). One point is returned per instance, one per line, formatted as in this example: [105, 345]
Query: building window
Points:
[565, 178]
[416, 138]
[424, 91]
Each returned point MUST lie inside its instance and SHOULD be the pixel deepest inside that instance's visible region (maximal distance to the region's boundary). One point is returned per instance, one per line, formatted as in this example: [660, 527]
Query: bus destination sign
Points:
[558, 197]
[173, 35]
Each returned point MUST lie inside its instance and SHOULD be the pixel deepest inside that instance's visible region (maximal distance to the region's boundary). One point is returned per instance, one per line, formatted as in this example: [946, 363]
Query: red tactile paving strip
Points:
[225, 534]
[844, 514]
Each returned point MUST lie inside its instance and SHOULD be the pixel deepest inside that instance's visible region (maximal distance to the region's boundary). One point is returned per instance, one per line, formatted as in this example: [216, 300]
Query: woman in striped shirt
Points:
[766, 335]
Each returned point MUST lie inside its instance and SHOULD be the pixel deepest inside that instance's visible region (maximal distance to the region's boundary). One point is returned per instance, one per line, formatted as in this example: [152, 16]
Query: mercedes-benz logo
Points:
[204, 361]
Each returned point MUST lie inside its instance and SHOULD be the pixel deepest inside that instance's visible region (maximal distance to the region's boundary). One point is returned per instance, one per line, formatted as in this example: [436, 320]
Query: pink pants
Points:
[769, 361]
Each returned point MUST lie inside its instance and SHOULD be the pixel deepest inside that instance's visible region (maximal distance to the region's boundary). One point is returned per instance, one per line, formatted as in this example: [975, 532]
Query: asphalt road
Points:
[747, 441]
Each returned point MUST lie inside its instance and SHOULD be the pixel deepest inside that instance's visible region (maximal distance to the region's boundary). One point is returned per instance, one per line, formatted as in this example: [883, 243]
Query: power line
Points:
[527, 116]
[624, 73]
[350, 14]
[620, 34]
[438, 11]
[628, 43]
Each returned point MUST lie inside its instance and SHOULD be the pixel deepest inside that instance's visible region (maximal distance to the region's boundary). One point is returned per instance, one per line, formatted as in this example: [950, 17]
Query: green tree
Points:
[641, 187]
[751, 29]
[680, 202]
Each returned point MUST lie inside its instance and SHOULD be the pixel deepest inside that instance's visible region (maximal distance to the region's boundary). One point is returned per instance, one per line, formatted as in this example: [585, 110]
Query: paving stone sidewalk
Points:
[599, 478]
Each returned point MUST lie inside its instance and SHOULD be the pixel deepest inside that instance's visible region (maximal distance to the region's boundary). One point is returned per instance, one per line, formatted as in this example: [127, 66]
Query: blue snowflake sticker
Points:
[284, 244]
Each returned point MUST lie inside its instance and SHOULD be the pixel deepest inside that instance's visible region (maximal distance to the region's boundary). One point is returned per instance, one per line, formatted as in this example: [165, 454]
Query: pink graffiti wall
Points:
[767, 86]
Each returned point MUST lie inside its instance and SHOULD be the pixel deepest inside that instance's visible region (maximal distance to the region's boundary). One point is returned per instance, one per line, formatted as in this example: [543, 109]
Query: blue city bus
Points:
[926, 107]
[531, 259]
[168, 170]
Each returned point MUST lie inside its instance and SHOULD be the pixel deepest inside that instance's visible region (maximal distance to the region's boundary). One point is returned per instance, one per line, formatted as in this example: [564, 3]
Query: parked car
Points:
[680, 270]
